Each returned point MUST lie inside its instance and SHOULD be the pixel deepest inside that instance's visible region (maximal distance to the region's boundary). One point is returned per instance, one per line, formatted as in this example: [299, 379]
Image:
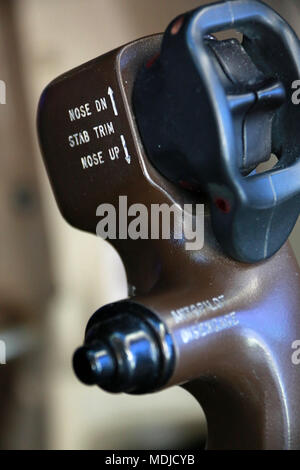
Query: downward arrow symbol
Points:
[127, 156]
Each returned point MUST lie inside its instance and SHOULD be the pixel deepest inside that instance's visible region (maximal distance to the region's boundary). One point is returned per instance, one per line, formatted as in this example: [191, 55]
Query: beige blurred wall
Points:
[55, 36]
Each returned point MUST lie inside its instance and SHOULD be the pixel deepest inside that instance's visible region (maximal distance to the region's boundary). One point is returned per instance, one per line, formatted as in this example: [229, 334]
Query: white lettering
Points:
[101, 105]
[79, 112]
[104, 130]
[79, 138]
[94, 159]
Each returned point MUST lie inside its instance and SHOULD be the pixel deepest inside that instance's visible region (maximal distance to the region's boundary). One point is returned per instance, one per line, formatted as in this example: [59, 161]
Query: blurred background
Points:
[53, 277]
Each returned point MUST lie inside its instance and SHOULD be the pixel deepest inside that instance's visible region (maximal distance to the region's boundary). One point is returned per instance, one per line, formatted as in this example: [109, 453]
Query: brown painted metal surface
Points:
[233, 325]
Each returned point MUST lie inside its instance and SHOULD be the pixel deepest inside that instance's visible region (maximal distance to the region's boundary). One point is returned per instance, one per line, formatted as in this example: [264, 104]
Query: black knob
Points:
[210, 111]
[94, 364]
[126, 349]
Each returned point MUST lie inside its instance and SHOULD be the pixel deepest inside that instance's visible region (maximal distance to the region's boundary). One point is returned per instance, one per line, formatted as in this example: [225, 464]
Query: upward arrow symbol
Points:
[111, 95]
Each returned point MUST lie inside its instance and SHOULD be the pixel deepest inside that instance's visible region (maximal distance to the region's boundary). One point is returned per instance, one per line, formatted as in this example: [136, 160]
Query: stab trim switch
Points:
[210, 111]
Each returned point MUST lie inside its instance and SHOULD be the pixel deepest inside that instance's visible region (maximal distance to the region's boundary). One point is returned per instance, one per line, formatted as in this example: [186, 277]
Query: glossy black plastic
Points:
[208, 135]
[126, 349]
